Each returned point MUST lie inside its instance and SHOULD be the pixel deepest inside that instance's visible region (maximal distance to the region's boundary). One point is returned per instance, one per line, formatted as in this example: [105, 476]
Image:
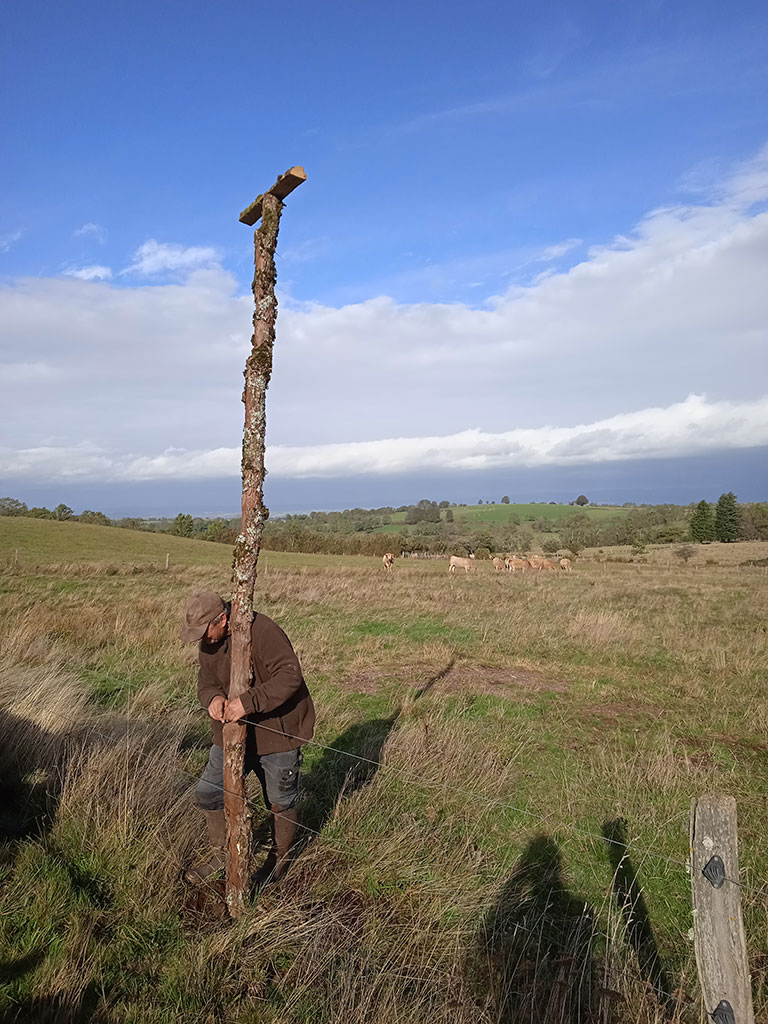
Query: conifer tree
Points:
[727, 524]
[703, 522]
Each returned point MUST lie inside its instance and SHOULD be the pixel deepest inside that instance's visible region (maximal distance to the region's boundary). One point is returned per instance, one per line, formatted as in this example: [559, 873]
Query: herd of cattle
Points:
[514, 564]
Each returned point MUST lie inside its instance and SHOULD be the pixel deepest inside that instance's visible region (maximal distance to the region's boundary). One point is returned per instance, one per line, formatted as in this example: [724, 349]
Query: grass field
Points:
[477, 515]
[526, 728]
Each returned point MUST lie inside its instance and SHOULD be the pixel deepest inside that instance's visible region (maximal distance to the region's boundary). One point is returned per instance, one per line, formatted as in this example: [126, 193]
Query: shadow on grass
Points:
[533, 956]
[347, 766]
[58, 1009]
[632, 905]
[32, 762]
[343, 771]
[55, 1010]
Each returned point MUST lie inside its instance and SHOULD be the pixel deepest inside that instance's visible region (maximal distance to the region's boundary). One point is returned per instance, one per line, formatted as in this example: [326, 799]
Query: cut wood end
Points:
[284, 185]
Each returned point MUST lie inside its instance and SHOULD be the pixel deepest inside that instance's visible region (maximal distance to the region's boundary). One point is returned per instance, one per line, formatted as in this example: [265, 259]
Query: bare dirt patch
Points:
[203, 906]
[488, 680]
[367, 681]
[704, 746]
[493, 681]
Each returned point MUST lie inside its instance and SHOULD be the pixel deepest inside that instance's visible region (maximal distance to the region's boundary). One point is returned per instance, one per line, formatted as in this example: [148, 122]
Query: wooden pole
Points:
[721, 948]
[258, 370]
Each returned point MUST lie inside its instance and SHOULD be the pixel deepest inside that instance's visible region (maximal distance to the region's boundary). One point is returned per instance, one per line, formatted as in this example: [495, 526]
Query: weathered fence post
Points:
[258, 370]
[718, 928]
[167, 560]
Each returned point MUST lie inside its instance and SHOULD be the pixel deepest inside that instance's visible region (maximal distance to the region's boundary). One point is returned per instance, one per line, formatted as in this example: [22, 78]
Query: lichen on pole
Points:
[258, 370]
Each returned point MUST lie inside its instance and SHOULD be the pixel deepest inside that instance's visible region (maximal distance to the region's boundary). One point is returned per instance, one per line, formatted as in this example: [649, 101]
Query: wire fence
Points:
[475, 795]
[346, 848]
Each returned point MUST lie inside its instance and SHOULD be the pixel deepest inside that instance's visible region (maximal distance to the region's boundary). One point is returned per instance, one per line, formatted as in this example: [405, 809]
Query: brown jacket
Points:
[278, 700]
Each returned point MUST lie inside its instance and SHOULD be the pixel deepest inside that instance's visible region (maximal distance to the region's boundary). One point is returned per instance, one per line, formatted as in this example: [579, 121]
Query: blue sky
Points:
[529, 239]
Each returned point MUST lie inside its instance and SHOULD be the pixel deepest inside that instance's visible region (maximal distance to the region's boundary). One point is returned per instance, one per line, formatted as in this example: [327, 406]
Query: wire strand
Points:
[419, 780]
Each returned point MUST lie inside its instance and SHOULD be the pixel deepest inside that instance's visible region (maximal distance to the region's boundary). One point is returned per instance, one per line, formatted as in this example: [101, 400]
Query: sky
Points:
[529, 259]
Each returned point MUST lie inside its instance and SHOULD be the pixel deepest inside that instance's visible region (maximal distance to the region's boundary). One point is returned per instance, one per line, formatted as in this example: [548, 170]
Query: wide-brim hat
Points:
[200, 609]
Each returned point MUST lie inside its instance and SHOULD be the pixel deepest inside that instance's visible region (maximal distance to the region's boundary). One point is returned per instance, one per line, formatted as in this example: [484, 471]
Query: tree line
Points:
[431, 528]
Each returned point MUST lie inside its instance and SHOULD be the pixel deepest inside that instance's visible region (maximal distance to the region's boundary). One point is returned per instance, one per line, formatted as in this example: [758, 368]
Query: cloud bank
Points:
[691, 427]
[102, 377]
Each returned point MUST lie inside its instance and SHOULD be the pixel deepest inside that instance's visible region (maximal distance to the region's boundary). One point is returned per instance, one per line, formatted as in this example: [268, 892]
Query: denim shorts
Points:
[277, 773]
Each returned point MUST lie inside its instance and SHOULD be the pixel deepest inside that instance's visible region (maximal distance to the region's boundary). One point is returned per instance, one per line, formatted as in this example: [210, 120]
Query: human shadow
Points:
[56, 1009]
[353, 759]
[532, 960]
[346, 765]
[32, 762]
[632, 905]
[50, 1009]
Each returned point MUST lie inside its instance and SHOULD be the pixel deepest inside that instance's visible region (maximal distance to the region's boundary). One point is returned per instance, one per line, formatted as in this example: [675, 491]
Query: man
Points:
[280, 717]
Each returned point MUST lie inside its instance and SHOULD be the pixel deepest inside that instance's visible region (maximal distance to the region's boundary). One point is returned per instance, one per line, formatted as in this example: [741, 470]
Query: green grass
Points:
[32, 542]
[479, 515]
[557, 705]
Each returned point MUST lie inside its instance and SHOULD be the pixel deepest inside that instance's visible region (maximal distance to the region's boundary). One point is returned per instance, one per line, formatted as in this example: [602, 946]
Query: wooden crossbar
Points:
[283, 187]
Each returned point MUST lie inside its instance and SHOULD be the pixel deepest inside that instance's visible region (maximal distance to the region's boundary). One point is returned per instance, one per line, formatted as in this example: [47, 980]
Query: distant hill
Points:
[481, 515]
[48, 541]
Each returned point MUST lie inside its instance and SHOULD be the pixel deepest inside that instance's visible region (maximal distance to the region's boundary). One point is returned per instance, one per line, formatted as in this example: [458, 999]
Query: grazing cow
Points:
[546, 563]
[389, 561]
[565, 563]
[467, 564]
[498, 564]
[516, 564]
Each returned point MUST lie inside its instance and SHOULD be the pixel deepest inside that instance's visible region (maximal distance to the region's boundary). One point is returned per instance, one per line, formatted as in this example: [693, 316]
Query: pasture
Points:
[479, 515]
[527, 729]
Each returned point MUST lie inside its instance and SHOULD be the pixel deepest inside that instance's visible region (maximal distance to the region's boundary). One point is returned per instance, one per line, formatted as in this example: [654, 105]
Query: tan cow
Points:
[536, 561]
[498, 564]
[516, 564]
[546, 563]
[467, 564]
[389, 561]
[565, 563]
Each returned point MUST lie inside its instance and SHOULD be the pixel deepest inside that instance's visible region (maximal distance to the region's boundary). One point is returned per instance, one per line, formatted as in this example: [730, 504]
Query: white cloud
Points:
[95, 231]
[8, 240]
[553, 252]
[92, 273]
[677, 306]
[691, 427]
[155, 257]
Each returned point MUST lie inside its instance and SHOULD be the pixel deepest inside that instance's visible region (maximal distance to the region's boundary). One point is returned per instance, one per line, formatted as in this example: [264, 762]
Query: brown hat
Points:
[199, 610]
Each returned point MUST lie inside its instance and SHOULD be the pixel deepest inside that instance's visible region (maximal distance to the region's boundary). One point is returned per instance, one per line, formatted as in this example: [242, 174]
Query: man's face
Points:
[217, 629]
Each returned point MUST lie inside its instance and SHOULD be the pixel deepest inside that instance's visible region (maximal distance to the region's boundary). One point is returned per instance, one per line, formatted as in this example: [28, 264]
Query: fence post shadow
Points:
[532, 960]
[632, 905]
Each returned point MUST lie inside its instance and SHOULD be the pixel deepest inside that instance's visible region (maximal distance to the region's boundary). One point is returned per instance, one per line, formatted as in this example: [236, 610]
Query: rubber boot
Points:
[217, 836]
[284, 824]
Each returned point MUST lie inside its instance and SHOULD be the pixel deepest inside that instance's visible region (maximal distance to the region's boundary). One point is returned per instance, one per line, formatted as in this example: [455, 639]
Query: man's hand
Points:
[216, 708]
[234, 710]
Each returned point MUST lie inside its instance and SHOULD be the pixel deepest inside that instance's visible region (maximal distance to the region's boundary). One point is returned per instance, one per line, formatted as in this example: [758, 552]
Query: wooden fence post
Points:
[258, 371]
[167, 560]
[718, 928]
